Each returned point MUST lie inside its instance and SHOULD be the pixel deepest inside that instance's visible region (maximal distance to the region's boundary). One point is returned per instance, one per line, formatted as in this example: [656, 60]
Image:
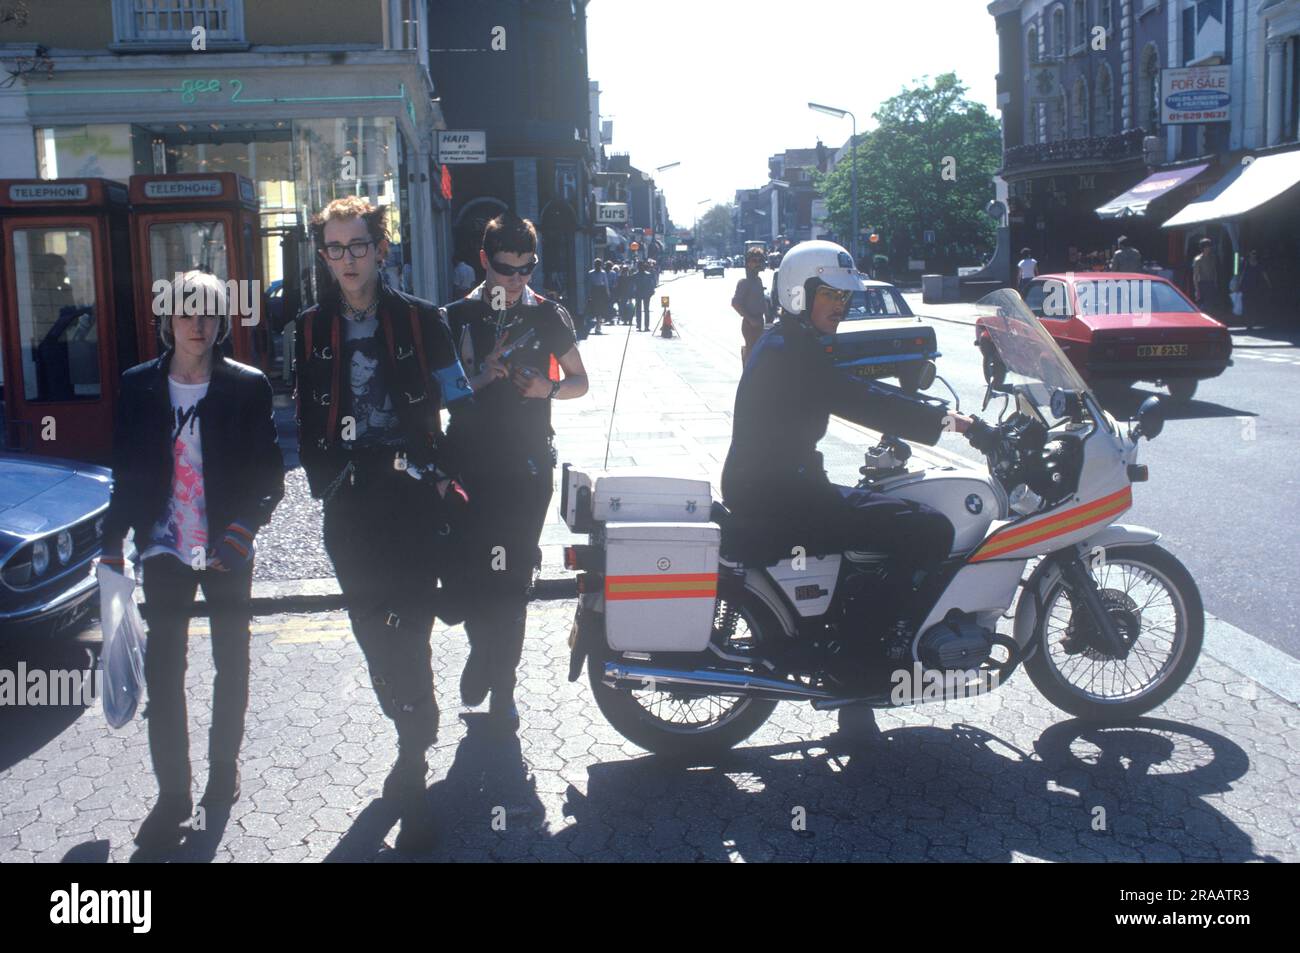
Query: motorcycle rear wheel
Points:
[1166, 628]
[698, 729]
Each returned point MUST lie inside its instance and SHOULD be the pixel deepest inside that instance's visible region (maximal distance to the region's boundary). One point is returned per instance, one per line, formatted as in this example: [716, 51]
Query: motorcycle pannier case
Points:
[632, 498]
[661, 585]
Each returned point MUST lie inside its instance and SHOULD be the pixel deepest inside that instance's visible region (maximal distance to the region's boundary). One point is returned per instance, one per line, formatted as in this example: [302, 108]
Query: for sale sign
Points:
[1195, 94]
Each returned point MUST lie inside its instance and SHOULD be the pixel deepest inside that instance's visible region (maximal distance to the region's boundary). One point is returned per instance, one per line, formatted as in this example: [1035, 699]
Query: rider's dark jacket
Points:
[789, 389]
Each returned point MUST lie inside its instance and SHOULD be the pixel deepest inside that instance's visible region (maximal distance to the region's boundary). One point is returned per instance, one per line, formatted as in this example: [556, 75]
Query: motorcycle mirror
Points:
[925, 375]
[1151, 418]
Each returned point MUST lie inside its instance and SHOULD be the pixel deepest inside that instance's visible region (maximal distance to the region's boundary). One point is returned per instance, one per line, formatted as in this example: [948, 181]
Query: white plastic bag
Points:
[122, 657]
[1236, 303]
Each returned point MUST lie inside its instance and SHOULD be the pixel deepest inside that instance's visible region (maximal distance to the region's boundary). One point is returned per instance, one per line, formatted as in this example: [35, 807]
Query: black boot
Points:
[417, 835]
[502, 713]
[407, 776]
[222, 789]
[162, 830]
[475, 680]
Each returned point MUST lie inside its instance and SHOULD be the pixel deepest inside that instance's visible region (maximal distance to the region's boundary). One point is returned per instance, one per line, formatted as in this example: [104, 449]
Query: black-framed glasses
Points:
[357, 249]
[507, 270]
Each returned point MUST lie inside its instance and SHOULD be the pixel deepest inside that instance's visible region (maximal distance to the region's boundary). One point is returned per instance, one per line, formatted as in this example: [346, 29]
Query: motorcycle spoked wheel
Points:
[1157, 608]
[688, 725]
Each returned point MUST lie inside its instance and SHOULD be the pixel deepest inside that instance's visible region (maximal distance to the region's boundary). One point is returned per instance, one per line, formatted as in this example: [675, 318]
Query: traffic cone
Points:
[667, 324]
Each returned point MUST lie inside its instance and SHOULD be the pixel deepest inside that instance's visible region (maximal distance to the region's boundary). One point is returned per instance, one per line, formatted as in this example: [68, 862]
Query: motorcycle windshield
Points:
[1025, 346]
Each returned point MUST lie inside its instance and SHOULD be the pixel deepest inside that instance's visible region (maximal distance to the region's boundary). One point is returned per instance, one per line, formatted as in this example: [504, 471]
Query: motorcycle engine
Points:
[955, 645]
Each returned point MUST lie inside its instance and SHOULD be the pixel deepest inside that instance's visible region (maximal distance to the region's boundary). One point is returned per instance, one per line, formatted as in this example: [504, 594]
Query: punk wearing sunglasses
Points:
[521, 352]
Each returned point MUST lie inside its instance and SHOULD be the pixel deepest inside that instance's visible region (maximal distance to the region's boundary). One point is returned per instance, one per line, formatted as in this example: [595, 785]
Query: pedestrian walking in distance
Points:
[750, 303]
[1027, 269]
[1126, 257]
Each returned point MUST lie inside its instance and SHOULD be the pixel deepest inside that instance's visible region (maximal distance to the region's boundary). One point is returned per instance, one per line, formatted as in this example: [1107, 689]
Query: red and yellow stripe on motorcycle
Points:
[681, 585]
[1033, 533]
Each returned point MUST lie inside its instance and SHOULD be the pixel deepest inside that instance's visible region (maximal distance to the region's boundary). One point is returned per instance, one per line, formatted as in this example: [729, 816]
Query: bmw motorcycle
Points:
[691, 635]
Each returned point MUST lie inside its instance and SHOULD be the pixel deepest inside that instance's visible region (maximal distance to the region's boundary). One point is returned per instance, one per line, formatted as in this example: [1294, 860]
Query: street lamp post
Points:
[695, 226]
[853, 168]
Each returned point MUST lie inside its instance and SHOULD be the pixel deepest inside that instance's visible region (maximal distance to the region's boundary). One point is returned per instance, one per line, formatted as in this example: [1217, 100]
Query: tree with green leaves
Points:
[715, 230]
[927, 166]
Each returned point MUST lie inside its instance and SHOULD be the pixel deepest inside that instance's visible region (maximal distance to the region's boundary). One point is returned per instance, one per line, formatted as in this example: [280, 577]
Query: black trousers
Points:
[383, 536]
[642, 314]
[498, 547]
[169, 590]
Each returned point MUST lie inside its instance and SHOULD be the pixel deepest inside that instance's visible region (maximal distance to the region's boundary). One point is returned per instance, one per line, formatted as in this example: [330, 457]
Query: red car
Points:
[1120, 328]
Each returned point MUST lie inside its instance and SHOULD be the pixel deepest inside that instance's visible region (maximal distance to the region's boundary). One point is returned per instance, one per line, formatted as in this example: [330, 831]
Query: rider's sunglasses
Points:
[507, 270]
[835, 294]
[357, 249]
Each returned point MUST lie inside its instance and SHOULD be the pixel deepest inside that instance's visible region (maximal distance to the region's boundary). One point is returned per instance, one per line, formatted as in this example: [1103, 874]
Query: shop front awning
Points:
[1135, 200]
[1242, 190]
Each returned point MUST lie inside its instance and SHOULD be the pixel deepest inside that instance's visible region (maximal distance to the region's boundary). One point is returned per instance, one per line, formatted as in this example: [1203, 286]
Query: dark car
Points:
[51, 530]
[1120, 328]
[881, 337]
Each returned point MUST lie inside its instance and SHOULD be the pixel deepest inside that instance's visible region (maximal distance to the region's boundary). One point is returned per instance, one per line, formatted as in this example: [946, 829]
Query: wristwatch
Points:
[555, 389]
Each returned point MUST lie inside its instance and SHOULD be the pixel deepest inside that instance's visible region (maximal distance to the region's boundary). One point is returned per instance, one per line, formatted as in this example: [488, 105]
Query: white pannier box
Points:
[637, 498]
[661, 585]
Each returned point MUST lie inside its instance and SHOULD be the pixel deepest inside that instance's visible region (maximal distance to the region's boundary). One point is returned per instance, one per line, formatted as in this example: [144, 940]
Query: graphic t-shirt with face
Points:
[183, 530]
[367, 398]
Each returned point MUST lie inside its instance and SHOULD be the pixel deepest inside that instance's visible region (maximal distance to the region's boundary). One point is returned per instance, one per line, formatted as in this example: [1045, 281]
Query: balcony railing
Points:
[1124, 145]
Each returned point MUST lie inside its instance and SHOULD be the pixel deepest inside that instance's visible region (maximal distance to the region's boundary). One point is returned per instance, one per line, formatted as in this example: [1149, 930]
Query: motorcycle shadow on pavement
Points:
[918, 793]
[487, 792]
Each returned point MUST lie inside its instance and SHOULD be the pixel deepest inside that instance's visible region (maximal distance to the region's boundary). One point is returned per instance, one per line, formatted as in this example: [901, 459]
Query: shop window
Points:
[1104, 106]
[172, 22]
[58, 327]
[1079, 110]
[1079, 26]
[1291, 104]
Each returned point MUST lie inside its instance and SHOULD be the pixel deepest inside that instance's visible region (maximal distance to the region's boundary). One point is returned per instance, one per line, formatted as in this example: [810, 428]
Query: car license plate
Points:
[876, 370]
[1162, 350]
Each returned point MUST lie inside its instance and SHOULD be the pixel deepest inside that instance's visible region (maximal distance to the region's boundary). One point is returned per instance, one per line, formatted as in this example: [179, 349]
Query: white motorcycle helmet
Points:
[825, 261]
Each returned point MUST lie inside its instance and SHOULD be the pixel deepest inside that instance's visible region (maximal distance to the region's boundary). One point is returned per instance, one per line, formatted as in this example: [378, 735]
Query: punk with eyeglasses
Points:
[374, 366]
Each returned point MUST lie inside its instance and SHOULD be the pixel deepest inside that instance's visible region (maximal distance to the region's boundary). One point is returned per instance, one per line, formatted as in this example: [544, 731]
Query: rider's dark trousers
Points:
[382, 537]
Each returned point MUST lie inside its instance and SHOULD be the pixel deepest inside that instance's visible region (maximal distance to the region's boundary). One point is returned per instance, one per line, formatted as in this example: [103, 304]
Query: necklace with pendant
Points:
[361, 314]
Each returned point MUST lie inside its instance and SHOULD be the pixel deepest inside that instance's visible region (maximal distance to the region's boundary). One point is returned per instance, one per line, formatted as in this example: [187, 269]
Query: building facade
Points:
[310, 100]
[516, 70]
[1101, 102]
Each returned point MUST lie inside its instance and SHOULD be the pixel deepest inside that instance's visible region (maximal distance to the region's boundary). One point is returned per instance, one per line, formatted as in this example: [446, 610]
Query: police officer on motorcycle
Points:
[774, 479]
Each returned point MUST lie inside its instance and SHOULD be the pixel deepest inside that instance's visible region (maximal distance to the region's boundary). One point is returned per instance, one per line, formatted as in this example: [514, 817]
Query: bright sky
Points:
[719, 85]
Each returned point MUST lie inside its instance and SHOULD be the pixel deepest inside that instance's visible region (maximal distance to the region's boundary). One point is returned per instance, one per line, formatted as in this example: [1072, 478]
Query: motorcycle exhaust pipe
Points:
[622, 676]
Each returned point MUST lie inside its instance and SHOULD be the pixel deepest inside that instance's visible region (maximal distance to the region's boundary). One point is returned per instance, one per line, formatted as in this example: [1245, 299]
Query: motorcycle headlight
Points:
[63, 546]
[40, 557]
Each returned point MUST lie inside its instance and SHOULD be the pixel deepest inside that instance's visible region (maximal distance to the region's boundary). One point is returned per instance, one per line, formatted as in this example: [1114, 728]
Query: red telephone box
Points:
[67, 328]
[208, 221]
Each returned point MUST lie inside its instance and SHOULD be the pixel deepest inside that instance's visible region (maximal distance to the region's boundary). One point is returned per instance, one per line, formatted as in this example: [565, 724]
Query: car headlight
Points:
[40, 557]
[63, 546]
[99, 528]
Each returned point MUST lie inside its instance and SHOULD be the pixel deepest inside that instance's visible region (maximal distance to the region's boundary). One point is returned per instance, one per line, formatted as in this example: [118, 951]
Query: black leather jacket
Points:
[243, 471]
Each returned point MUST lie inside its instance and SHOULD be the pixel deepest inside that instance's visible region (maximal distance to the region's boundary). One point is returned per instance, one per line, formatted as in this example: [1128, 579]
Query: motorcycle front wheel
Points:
[1157, 609]
[688, 725]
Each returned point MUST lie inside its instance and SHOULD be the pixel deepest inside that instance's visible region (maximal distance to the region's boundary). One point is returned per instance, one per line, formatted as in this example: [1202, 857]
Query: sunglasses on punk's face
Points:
[506, 271]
